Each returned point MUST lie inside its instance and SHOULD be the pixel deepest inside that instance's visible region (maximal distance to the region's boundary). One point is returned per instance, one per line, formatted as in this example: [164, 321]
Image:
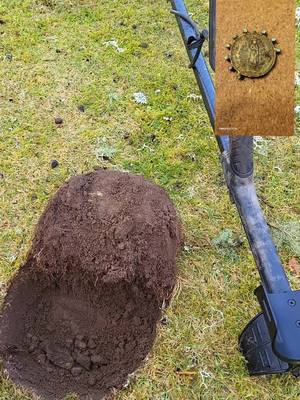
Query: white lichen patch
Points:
[140, 98]
[114, 43]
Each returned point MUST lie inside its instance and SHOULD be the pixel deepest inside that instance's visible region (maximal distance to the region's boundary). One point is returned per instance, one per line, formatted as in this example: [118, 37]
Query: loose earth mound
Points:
[81, 314]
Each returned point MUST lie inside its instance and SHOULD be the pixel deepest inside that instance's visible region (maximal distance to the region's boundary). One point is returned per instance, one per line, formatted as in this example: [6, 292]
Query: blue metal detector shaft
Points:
[279, 350]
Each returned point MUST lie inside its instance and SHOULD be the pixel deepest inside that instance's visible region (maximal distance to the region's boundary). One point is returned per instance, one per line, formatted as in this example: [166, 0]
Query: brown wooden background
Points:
[263, 106]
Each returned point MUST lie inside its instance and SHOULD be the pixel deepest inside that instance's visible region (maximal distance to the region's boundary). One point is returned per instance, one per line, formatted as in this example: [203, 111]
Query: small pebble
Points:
[92, 344]
[41, 358]
[80, 344]
[67, 365]
[69, 342]
[54, 164]
[121, 246]
[34, 339]
[76, 371]
[9, 57]
[58, 120]
[32, 347]
[81, 108]
[83, 360]
[96, 359]
[92, 380]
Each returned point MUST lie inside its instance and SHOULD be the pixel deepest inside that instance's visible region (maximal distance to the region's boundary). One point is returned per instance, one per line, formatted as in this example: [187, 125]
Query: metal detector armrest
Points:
[282, 315]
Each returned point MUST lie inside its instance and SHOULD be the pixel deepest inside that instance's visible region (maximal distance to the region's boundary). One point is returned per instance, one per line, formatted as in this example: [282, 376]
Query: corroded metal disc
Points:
[253, 54]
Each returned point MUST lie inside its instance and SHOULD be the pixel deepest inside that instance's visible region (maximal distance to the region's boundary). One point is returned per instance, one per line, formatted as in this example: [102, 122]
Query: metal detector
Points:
[270, 342]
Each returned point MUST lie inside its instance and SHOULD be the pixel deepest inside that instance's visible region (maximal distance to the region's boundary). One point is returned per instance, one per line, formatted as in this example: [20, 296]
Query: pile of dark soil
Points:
[81, 314]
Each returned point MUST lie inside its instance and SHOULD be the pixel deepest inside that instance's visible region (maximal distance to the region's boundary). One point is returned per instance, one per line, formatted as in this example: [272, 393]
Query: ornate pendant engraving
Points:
[252, 54]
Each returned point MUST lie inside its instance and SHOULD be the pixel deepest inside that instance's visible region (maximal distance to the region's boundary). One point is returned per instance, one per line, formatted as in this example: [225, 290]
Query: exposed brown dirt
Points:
[81, 314]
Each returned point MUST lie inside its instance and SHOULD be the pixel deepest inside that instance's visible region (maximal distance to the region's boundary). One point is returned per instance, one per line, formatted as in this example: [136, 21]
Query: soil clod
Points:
[58, 120]
[54, 164]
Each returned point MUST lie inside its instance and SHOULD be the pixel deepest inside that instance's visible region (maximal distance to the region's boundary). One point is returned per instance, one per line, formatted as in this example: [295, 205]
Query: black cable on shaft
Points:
[199, 39]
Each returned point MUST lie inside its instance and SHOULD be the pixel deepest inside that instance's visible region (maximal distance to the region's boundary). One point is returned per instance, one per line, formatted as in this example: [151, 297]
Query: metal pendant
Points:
[252, 54]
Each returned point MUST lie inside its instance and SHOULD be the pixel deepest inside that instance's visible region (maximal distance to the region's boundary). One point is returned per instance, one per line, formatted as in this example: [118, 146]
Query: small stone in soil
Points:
[54, 164]
[69, 342]
[80, 344]
[92, 380]
[58, 121]
[59, 356]
[96, 359]
[41, 358]
[76, 371]
[83, 360]
[32, 347]
[121, 246]
[92, 344]
[81, 108]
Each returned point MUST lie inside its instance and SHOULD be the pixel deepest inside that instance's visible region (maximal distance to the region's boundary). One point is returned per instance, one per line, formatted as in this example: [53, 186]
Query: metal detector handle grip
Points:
[241, 155]
[212, 34]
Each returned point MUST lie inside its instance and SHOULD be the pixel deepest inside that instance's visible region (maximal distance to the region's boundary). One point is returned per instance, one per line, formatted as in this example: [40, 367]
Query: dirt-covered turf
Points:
[64, 59]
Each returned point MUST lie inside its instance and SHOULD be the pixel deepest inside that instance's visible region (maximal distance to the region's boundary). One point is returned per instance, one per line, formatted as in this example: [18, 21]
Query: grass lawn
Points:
[83, 60]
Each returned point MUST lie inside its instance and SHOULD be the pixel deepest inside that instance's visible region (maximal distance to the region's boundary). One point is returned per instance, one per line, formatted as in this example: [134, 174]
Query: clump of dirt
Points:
[81, 314]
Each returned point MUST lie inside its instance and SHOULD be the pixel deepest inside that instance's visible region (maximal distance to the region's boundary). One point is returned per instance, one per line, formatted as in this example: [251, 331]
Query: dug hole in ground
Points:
[80, 315]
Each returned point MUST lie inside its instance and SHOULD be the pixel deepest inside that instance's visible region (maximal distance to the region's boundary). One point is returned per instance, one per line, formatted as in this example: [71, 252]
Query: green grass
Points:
[59, 61]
